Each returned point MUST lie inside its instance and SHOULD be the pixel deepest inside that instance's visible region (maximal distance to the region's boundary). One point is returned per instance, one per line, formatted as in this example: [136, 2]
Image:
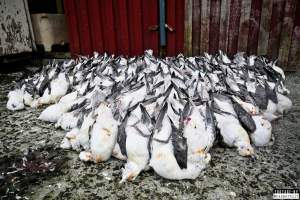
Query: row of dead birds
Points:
[160, 113]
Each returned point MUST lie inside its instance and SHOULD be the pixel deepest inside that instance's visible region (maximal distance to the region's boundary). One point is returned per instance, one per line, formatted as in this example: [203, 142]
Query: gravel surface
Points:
[52, 173]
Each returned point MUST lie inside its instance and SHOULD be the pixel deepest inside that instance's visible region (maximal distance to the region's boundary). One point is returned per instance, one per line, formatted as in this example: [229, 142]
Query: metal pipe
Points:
[162, 22]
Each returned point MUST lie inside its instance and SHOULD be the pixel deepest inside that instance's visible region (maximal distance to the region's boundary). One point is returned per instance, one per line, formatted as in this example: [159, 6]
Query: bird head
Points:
[246, 150]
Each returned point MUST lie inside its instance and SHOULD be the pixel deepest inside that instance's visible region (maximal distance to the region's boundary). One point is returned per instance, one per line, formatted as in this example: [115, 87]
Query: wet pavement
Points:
[33, 167]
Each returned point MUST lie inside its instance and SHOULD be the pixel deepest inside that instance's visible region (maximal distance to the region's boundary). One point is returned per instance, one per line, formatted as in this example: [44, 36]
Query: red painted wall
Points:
[263, 27]
[113, 26]
[121, 26]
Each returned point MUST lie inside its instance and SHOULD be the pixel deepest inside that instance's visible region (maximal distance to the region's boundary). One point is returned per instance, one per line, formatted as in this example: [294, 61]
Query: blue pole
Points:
[162, 22]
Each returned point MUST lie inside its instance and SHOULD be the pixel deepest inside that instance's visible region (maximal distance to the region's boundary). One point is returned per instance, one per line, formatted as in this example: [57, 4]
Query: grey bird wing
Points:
[244, 117]
[180, 147]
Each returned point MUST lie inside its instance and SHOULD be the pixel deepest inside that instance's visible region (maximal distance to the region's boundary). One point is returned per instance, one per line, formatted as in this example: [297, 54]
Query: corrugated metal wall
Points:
[114, 26]
[122, 26]
[175, 19]
[264, 27]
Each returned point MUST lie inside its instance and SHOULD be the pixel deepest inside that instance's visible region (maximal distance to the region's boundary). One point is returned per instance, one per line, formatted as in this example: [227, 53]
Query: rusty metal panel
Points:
[214, 26]
[224, 24]
[244, 25]
[294, 54]
[234, 24]
[188, 27]
[196, 26]
[15, 36]
[263, 27]
[287, 31]
[254, 21]
[204, 33]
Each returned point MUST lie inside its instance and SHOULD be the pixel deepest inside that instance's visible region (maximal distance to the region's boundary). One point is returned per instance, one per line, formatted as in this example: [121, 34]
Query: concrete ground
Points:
[33, 167]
